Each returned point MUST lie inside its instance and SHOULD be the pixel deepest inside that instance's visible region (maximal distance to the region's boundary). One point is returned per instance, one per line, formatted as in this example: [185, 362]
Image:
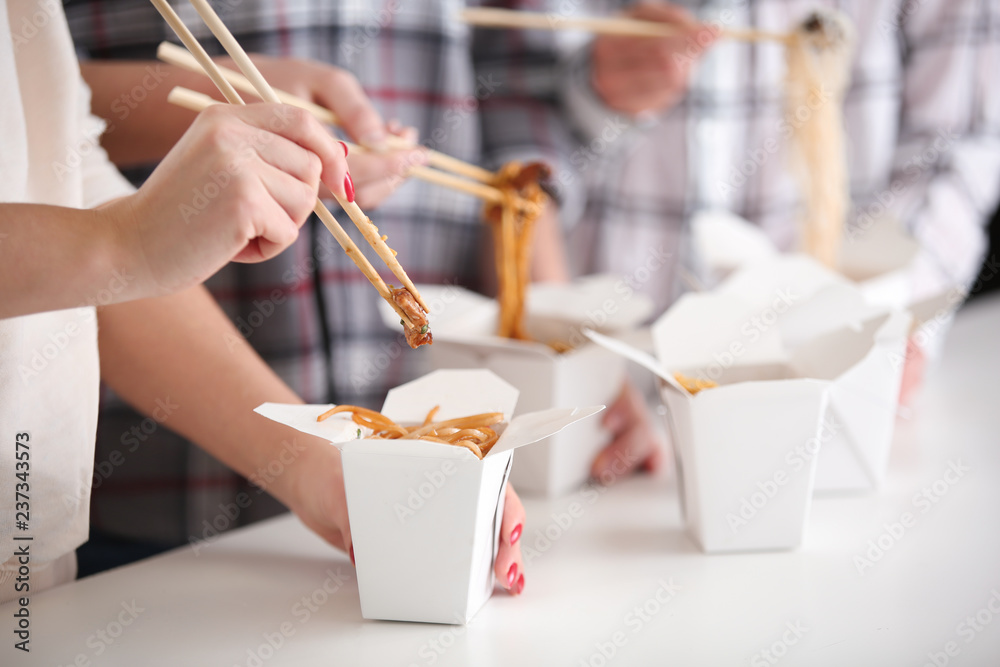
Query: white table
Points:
[218, 607]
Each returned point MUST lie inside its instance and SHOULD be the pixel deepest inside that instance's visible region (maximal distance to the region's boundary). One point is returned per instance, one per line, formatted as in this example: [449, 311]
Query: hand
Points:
[913, 372]
[313, 488]
[635, 442]
[375, 175]
[238, 185]
[509, 565]
[649, 74]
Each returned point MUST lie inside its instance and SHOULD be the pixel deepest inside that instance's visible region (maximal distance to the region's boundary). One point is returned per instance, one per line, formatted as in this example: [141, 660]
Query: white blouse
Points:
[49, 373]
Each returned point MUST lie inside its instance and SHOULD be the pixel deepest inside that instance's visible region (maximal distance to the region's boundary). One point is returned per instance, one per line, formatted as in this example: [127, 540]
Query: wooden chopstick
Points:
[345, 241]
[266, 93]
[180, 57]
[489, 17]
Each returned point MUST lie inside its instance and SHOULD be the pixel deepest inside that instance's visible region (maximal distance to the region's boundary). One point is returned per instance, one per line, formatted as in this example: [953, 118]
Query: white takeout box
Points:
[464, 325]
[828, 311]
[747, 450]
[425, 516]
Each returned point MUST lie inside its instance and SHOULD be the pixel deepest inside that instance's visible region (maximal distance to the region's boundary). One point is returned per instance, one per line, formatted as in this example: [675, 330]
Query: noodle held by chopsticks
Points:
[818, 68]
[513, 232]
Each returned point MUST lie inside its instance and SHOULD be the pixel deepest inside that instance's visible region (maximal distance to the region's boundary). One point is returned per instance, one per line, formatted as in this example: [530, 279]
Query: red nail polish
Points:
[515, 534]
[520, 585]
[511, 575]
[344, 146]
[349, 187]
[352, 555]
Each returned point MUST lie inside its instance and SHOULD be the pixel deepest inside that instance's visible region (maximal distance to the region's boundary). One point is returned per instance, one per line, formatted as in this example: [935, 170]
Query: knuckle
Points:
[314, 169]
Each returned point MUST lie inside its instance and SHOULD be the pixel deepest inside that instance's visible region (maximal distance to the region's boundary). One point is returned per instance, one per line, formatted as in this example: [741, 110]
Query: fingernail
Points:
[511, 575]
[349, 187]
[352, 555]
[520, 585]
[344, 146]
[515, 534]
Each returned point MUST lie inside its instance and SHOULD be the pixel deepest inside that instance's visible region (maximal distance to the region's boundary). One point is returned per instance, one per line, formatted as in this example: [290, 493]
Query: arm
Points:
[132, 97]
[265, 163]
[53, 257]
[184, 347]
[945, 179]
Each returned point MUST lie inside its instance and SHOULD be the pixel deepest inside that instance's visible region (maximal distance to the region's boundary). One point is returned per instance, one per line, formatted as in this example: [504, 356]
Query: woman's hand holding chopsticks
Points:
[237, 186]
[375, 175]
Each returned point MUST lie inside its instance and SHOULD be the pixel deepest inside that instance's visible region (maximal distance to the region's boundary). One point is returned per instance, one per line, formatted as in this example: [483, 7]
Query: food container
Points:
[464, 324]
[749, 449]
[425, 516]
[867, 343]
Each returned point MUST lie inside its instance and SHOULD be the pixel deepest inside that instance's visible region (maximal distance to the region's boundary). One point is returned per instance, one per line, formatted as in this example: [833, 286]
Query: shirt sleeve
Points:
[521, 119]
[102, 182]
[945, 180]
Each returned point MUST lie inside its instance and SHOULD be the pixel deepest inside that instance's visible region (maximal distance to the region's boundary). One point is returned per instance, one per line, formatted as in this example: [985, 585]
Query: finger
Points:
[344, 96]
[512, 524]
[345, 536]
[368, 168]
[616, 417]
[300, 127]
[408, 134]
[626, 453]
[913, 372]
[509, 564]
[293, 160]
[638, 102]
[275, 232]
[295, 198]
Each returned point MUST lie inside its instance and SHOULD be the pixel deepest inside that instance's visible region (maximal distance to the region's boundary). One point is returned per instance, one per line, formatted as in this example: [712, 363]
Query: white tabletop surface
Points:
[218, 607]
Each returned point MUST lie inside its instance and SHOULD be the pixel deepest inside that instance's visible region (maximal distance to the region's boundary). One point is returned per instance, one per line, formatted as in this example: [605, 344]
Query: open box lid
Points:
[702, 329]
[459, 393]
[795, 277]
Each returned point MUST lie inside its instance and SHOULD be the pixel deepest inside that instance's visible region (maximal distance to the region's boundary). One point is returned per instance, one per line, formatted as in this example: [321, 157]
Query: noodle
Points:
[694, 385]
[472, 432]
[818, 70]
[513, 224]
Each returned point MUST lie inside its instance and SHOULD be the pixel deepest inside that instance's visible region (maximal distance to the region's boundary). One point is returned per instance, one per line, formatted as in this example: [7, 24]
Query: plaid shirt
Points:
[309, 312]
[922, 116]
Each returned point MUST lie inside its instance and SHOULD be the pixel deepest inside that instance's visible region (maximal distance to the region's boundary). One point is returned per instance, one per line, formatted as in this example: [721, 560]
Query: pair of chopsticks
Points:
[464, 177]
[239, 56]
[487, 17]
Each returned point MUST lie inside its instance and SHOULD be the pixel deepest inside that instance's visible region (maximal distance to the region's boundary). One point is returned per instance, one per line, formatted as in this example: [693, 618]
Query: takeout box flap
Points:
[795, 274]
[830, 309]
[600, 301]
[460, 393]
[700, 327]
[534, 426]
[303, 418]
